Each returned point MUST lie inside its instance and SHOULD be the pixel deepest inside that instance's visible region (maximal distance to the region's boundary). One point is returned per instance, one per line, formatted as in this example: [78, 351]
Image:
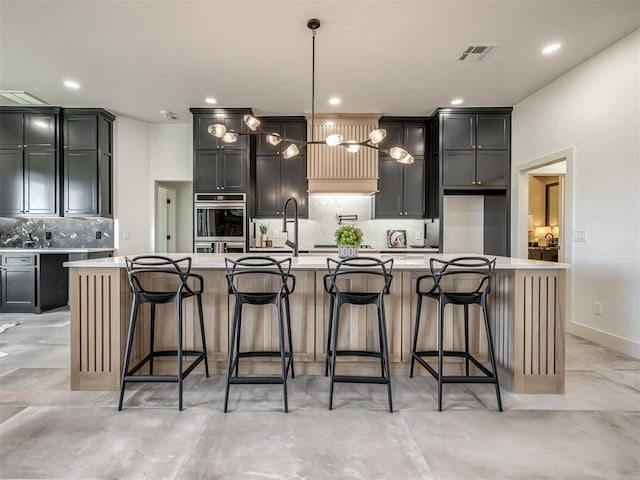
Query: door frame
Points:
[164, 193]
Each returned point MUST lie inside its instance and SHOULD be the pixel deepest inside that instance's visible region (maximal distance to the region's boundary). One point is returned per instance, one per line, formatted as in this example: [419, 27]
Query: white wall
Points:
[133, 196]
[146, 153]
[595, 110]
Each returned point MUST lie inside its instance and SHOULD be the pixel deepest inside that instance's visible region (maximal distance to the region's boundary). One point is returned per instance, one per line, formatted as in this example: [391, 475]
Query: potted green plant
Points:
[348, 239]
[264, 229]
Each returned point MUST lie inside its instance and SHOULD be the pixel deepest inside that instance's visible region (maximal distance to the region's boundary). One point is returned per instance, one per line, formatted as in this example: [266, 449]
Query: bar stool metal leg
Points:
[289, 335]
[232, 341]
[237, 359]
[127, 356]
[152, 335]
[204, 343]
[283, 355]
[466, 339]
[441, 305]
[180, 359]
[385, 350]
[415, 335]
[491, 351]
[329, 330]
[334, 348]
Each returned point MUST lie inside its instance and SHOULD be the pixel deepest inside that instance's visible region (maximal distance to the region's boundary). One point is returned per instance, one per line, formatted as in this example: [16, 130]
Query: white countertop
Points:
[55, 250]
[362, 251]
[319, 262]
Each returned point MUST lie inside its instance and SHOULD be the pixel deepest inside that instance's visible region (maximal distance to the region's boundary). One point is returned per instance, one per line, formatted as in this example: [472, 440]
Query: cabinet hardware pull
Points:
[479, 146]
[479, 183]
[19, 146]
[65, 147]
[473, 146]
[473, 183]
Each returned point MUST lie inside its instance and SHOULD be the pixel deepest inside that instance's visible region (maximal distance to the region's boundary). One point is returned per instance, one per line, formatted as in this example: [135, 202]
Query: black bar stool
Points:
[180, 269]
[337, 282]
[279, 270]
[445, 288]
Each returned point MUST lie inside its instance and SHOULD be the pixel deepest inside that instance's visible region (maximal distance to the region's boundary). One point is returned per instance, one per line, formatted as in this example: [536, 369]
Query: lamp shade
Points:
[334, 140]
[230, 137]
[291, 151]
[274, 139]
[531, 226]
[352, 146]
[251, 122]
[217, 130]
[376, 136]
[542, 231]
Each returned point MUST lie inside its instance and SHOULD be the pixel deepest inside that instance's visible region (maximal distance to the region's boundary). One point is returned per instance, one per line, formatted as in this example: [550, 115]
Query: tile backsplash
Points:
[65, 232]
[323, 221]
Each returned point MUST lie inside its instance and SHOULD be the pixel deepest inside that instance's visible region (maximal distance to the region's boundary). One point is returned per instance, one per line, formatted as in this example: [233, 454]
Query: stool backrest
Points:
[137, 266]
[245, 267]
[477, 272]
[342, 271]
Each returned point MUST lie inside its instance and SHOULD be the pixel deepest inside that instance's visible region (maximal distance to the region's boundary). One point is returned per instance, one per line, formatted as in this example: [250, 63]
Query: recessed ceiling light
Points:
[554, 47]
[71, 84]
[334, 101]
[456, 101]
[210, 100]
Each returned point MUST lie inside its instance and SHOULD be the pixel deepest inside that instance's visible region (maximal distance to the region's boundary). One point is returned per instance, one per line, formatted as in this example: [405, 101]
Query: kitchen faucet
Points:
[553, 240]
[289, 243]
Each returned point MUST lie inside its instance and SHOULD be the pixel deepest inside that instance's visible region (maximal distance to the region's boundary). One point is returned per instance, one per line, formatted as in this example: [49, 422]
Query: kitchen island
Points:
[527, 308]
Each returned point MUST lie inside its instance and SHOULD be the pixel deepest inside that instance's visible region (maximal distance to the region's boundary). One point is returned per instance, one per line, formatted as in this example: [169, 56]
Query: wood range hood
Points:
[333, 169]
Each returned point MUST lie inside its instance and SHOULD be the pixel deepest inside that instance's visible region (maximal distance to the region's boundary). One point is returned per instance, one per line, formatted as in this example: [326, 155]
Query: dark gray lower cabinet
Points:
[19, 283]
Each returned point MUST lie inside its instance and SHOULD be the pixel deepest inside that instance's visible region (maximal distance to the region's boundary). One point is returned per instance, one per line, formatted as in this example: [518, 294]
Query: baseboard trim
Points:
[609, 340]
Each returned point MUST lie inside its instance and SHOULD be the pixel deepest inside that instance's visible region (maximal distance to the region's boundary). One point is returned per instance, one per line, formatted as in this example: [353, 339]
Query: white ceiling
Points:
[395, 57]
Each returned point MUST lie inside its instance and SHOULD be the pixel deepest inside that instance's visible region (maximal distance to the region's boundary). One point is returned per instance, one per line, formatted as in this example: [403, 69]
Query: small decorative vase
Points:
[346, 251]
[263, 240]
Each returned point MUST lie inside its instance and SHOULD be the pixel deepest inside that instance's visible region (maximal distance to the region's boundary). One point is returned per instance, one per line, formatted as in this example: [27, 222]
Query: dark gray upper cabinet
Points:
[87, 162]
[475, 149]
[402, 187]
[29, 165]
[217, 165]
[275, 178]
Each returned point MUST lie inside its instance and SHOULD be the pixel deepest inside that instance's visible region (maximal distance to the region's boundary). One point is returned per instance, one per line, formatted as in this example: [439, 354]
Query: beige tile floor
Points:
[48, 431]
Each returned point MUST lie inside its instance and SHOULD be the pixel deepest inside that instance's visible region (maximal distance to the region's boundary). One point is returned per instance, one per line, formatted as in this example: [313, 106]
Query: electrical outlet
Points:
[418, 236]
[579, 235]
[274, 234]
[98, 235]
[47, 235]
[125, 235]
[597, 308]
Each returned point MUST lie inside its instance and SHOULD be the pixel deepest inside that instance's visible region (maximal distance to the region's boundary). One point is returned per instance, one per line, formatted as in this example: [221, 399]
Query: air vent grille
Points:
[22, 98]
[475, 52]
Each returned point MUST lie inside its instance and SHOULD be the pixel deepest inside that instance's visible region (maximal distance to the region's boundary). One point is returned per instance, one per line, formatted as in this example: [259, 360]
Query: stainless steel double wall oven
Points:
[221, 222]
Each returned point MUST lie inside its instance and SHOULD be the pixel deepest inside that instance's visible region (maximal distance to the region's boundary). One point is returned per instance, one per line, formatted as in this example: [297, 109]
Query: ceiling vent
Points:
[21, 98]
[475, 53]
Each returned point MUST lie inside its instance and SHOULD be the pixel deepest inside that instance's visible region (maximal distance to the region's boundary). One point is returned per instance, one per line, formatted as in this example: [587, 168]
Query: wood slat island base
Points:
[527, 309]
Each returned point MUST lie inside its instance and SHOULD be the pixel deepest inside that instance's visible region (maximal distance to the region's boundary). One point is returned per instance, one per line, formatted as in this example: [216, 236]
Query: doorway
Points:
[544, 226]
[173, 228]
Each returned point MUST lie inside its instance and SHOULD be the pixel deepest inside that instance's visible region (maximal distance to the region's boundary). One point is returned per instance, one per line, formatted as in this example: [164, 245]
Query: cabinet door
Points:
[39, 130]
[106, 184]
[493, 131]
[459, 168]
[458, 131]
[41, 182]
[81, 132]
[395, 134]
[18, 288]
[414, 138]
[492, 167]
[413, 183]
[203, 138]
[389, 197]
[11, 182]
[262, 146]
[267, 197]
[11, 132]
[293, 173]
[205, 178]
[232, 170]
[234, 122]
[81, 183]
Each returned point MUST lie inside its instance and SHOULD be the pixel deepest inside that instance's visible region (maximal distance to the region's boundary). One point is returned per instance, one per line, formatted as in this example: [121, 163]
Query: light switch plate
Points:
[579, 236]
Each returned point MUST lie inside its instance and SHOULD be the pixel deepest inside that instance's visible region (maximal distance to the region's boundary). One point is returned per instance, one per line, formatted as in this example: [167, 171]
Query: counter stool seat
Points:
[445, 288]
[138, 271]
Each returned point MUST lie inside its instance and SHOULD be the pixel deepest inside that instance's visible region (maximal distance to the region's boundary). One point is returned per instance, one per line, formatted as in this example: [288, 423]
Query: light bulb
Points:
[217, 130]
[274, 139]
[252, 122]
[230, 137]
[352, 146]
[407, 159]
[376, 136]
[291, 151]
[397, 153]
[334, 140]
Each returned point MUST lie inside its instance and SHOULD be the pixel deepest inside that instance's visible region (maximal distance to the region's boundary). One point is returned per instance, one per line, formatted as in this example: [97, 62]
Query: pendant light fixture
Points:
[293, 145]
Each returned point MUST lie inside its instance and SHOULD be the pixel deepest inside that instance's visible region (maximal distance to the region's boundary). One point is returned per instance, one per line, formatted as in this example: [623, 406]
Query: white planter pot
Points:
[346, 252]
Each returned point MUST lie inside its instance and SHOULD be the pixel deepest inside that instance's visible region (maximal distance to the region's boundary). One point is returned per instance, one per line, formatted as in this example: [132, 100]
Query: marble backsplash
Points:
[65, 232]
